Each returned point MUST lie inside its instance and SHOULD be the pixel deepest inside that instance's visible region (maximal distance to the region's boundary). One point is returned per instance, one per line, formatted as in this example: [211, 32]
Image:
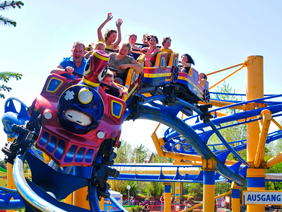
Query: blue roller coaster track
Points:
[188, 137]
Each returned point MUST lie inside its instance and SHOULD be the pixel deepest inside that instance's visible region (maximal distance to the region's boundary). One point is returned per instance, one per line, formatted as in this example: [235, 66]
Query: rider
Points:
[110, 35]
[98, 46]
[186, 63]
[202, 76]
[151, 51]
[109, 80]
[166, 44]
[122, 62]
[132, 40]
[75, 63]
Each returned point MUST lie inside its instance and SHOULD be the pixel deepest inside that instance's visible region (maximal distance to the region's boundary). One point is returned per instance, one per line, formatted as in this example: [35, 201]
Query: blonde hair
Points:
[109, 73]
[99, 43]
[127, 45]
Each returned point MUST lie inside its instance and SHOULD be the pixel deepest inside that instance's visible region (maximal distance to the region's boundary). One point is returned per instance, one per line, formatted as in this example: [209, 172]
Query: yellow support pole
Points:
[102, 203]
[276, 123]
[235, 197]
[227, 77]
[177, 191]
[167, 197]
[266, 118]
[200, 204]
[209, 167]
[276, 159]
[10, 179]
[194, 207]
[255, 176]
[79, 198]
[224, 69]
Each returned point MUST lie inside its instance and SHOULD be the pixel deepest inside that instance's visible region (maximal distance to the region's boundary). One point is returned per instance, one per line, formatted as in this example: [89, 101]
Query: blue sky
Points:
[217, 34]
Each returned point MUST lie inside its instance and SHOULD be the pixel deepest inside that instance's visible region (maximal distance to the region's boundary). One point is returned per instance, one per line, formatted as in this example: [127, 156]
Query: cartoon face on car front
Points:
[80, 107]
[77, 117]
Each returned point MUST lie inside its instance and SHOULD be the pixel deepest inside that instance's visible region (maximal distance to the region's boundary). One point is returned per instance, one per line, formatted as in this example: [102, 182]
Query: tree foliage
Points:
[272, 185]
[3, 164]
[158, 159]
[127, 154]
[153, 189]
[133, 188]
[5, 76]
[230, 134]
[124, 153]
[7, 5]
[194, 190]
[141, 153]
[277, 168]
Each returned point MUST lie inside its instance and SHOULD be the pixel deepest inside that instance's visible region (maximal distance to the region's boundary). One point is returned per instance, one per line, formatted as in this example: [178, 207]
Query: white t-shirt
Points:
[222, 204]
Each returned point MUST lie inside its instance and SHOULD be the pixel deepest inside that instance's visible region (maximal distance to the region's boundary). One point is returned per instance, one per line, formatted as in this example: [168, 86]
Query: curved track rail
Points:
[179, 132]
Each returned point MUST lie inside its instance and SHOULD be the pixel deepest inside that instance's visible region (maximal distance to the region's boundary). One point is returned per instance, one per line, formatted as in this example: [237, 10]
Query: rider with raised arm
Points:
[110, 36]
[74, 64]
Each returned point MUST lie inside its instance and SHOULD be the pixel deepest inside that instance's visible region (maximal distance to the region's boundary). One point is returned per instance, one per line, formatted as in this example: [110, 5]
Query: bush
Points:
[136, 208]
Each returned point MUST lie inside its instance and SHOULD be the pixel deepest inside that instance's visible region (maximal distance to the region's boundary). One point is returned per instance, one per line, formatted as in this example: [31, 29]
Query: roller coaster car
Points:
[166, 79]
[160, 75]
[190, 89]
[76, 116]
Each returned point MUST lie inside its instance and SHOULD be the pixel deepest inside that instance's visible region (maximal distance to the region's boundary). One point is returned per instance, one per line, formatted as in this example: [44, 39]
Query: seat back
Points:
[173, 60]
[133, 75]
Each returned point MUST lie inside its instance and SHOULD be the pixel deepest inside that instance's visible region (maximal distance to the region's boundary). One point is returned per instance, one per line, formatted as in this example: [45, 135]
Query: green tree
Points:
[5, 76]
[221, 188]
[133, 188]
[158, 159]
[153, 189]
[141, 153]
[274, 147]
[277, 168]
[136, 208]
[124, 153]
[194, 190]
[3, 164]
[7, 5]
[235, 133]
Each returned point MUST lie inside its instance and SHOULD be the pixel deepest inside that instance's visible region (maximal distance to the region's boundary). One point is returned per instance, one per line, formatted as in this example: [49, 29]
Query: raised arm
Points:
[99, 30]
[118, 23]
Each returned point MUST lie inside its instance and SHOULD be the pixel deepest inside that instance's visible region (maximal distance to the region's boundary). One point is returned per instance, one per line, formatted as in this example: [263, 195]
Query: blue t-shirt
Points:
[68, 61]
